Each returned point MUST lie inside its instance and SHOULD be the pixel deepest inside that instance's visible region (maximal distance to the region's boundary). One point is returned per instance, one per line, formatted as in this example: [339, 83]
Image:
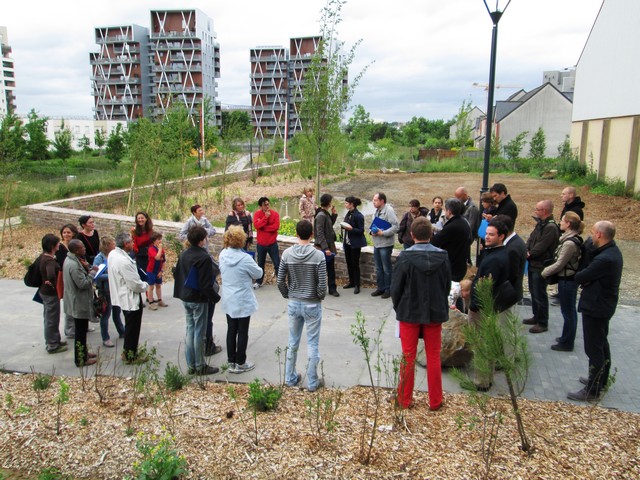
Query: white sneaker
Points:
[245, 367]
[231, 368]
[256, 286]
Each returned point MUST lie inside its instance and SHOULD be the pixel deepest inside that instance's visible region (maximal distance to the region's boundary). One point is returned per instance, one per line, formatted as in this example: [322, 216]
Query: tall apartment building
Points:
[120, 73]
[277, 83]
[7, 76]
[140, 72]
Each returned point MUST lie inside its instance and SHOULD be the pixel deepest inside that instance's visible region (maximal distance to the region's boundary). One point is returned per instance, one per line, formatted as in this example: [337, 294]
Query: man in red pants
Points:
[420, 290]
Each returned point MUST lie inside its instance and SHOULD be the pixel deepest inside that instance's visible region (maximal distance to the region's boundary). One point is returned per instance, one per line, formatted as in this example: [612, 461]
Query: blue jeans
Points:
[301, 313]
[114, 312]
[382, 259]
[273, 252]
[539, 298]
[196, 317]
[567, 293]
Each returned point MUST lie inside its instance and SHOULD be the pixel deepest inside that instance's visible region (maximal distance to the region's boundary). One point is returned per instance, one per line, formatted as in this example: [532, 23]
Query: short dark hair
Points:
[506, 219]
[49, 242]
[498, 188]
[382, 196]
[261, 200]
[414, 203]
[71, 227]
[421, 229]
[155, 236]
[196, 234]
[325, 199]
[75, 245]
[195, 208]
[455, 206]
[500, 227]
[83, 220]
[304, 229]
[355, 201]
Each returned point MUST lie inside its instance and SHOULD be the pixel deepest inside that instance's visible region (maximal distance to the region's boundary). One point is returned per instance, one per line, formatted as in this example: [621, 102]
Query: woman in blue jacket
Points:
[353, 241]
[238, 270]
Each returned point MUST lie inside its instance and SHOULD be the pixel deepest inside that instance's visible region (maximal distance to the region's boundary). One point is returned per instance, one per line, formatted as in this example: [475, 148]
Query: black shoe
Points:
[584, 381]
[334, 293]
[558, 339]
[538, 328]
[555, 303]
[356, 289]
[377, 293]
[207, 370]
[212, 350]
[58, 349]
[529, 321]
[385, 295]
[349, 285]
[558, 347]
[583, 395]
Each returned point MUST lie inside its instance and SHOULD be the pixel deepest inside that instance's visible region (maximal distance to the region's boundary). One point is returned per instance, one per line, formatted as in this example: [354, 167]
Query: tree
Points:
[116, 146]
[496, 146]
[411, 134]
[62, 147]
[463, 125]
[145, 142]
[326, 95]
[236, 128]
[538, 145]
[513, 148]
[12, 140]
[99, 139]
[359, 125]
[37, 144]
[84, 144]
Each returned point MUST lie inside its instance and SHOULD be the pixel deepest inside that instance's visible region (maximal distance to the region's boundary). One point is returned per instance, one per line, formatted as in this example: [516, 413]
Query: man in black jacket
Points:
[506, 206]
[325, 238]
[195, 276]
[516, 253]
[419, 291]
[455, 237]
[600, 281]
[571, 202]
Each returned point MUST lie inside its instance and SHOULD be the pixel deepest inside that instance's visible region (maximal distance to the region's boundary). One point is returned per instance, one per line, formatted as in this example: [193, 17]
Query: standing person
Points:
[267, 224]
[68, 232]
[107, 244]
[419, 291]
[302, 279]
[239, 302]
[307, 205]
[404, 230]
[571, 203]
[89, 236]
[126, 287]
[141, 235]
[197, 219]
[194, 285]
[49, 269]
[78, 299]
[383, 241]
[471, 213]
[155, 271]
[436, 214]
[325, 238]
[541, 244]
[565, 265]
[517, 255]
[240, 216]
[505, 205]
[455, 238]
[600, 282]
[353, 241]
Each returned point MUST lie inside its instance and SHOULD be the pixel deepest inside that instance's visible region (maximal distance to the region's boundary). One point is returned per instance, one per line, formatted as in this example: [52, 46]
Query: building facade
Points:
[7, 76]
[140, 72]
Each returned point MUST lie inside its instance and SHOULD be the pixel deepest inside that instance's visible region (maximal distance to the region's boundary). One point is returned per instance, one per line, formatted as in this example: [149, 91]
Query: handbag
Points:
[100, 305]
[60, 285]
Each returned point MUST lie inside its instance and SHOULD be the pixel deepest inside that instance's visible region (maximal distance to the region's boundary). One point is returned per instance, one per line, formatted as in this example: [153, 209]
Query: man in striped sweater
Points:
[302, 279]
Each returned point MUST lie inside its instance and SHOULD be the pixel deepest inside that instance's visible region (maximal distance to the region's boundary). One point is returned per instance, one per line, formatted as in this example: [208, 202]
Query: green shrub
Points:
[174, 379]
[263, 398]
[287, 227]
[160, 460]
[42, 382]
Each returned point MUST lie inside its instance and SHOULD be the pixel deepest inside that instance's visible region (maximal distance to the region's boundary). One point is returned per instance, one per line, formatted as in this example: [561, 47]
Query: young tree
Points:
[463, 125]
[37, 144]
[99, 139]
[145, 140]
[496, 146]
[411, 134]
[116, 145]
[326, 95]
[513, 148]
[236, 128]
[84, 144]
[62, 147]
[538, 145]
[12, 140]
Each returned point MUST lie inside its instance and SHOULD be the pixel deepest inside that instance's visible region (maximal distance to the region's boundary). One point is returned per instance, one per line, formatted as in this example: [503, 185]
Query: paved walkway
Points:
[551, 376]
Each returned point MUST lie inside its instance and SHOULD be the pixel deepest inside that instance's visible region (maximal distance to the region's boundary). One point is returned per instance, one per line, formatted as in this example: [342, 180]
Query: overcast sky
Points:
[424, 55]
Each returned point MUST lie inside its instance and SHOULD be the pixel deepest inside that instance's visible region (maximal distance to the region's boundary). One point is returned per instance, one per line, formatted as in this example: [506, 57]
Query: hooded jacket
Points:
[421, 285]
[207, 271]
[542, 242]
[576, 206]
[303, 274]
[238, 271]
[78, 288]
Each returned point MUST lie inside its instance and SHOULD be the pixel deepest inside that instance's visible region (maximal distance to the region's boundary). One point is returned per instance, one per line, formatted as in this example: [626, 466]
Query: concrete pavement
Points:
[552, 373]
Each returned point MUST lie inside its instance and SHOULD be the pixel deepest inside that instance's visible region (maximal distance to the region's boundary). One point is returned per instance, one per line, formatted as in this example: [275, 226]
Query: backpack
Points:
[33, 277]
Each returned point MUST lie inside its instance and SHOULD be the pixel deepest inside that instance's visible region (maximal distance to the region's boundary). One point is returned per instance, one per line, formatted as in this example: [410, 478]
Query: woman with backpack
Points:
[565, 265]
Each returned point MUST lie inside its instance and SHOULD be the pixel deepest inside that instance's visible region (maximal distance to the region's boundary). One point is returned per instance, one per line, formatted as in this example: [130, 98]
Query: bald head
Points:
[461, 194]
[605, 228]
[544, 209]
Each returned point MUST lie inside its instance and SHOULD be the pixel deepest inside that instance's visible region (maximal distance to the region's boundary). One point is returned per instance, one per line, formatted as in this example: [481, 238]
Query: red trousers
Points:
[432, 335]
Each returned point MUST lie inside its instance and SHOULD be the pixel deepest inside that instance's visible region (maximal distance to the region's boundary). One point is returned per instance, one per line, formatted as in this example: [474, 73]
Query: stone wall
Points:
[58, 212]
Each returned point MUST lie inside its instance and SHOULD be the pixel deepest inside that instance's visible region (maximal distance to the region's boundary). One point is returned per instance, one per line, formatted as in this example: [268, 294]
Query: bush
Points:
[160, 460]
[263, 398]
[174, 379]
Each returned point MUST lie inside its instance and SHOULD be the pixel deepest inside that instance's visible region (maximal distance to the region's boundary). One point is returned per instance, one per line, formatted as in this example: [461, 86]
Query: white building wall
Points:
[548, 109]
[79, 127]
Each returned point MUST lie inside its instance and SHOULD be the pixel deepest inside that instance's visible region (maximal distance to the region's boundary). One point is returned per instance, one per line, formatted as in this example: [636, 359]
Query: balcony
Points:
[165, 35]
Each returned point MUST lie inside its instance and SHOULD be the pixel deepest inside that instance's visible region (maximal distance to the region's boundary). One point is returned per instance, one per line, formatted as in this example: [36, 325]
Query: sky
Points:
[423, 56]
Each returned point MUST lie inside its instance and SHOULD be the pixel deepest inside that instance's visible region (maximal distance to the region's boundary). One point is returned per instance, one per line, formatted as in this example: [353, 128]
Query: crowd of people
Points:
[431, 275]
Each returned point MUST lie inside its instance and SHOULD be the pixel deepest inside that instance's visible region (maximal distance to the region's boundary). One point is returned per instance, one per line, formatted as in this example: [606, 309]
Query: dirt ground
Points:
[22, 244]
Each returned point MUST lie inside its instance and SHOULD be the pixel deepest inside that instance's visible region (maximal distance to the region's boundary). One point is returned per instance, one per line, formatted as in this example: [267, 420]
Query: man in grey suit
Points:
[470, 213]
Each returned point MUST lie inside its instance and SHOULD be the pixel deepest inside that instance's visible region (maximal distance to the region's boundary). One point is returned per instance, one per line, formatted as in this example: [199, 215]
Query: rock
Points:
[454, 352]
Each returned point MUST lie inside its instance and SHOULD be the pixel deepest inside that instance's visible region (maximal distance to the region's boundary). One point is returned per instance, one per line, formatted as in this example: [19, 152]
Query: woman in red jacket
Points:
[141, 235]
[267, 223]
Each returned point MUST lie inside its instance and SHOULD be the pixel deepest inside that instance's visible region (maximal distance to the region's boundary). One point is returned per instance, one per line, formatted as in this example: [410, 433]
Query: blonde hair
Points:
[105, 242]
[307, 189]
[573, 219]
[234, 237]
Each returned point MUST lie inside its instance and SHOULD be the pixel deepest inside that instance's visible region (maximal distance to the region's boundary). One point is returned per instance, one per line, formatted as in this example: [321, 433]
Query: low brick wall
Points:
[58, 212]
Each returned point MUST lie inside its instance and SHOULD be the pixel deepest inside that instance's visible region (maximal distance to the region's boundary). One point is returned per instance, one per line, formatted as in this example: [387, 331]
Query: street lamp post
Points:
[495, 15]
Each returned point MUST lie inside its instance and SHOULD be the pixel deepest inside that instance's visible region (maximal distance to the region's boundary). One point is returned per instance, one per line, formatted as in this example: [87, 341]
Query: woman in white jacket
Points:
[239, 302]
